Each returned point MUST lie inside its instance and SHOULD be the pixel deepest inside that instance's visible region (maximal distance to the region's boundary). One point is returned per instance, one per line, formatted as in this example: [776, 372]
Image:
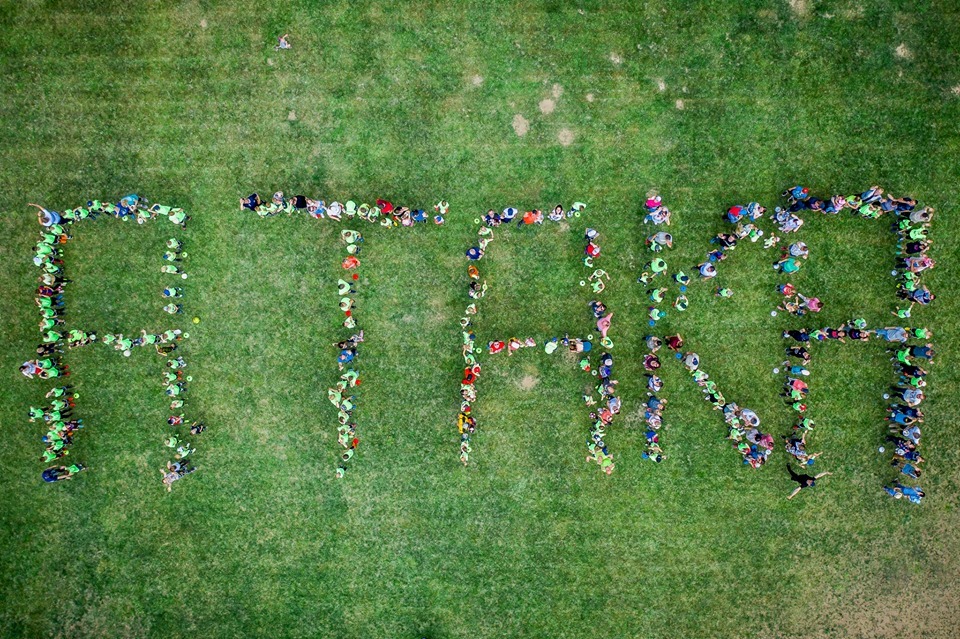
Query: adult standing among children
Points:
[47, 218]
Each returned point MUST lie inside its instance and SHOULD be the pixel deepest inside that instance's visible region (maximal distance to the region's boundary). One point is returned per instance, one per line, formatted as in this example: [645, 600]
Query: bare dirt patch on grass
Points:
[529, 382]
[800, 8]
[565, 137]
[864, 613]
[903, 52]
[591, 97]
[549, 105]
[680, 105]
[476, 80]
[616, 58]
[634, 418]
[520, 125]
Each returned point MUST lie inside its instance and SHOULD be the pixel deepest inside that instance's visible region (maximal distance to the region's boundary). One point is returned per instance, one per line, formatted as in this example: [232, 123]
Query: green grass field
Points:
[710, 103]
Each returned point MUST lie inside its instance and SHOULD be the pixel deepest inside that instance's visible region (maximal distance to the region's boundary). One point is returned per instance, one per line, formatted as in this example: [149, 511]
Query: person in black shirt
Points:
[805, 481]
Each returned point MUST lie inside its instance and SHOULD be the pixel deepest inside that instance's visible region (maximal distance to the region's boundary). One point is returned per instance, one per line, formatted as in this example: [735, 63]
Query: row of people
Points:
[48, 256]
[510, 214]
[903, 414]
[339, 395]
[872, 203]
[604, 410]
[57, 418]
[912, 261]
[602, 413]
[476, 289]
[130, 207]
[658, 213]
[383, 211]
[174, 379]
[654, 406]
[795, 390]
[743, 424]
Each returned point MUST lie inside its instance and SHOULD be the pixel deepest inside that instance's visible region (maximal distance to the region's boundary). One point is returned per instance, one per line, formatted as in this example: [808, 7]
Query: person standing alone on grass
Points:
[805, 481]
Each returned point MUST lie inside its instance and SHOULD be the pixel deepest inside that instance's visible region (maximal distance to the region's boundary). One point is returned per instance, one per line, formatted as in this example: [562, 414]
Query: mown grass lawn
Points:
[710, 103]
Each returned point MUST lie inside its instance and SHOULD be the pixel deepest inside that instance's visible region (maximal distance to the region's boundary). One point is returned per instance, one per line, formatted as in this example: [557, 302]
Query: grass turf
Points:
[188, 104]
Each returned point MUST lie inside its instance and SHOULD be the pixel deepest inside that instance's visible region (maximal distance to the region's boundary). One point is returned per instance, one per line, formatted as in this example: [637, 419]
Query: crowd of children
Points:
[601, 411]
[795, 302]
[743, 423]
[754, 445]
[386, 214]
[911, 225]
[742, 217]
[904, 415]
[657, 212]
[54, 337]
